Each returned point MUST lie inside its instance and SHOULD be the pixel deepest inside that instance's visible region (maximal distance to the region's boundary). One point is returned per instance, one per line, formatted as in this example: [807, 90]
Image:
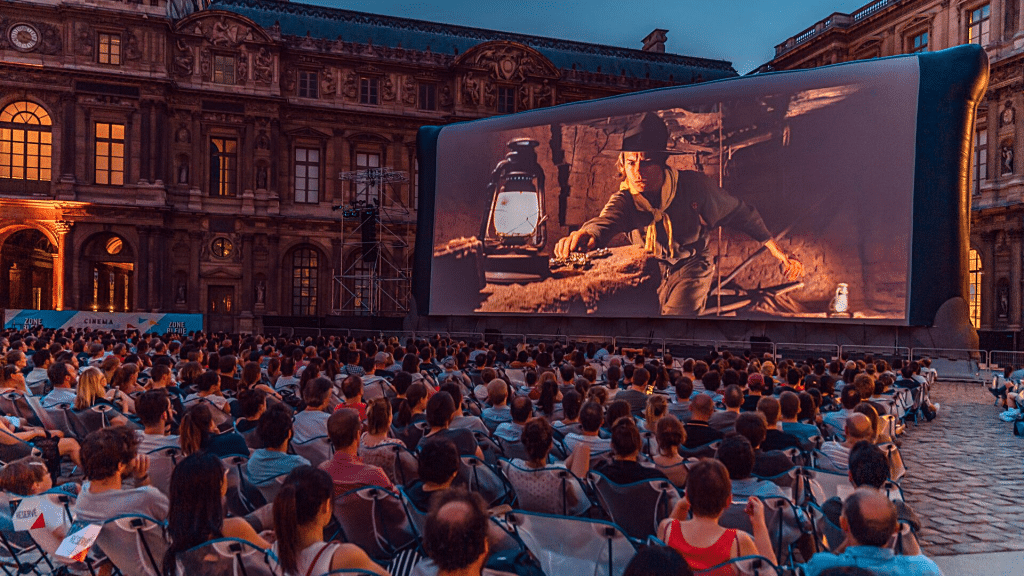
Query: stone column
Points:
[193, 273]
[988, 280]
[248, 285]
[144, 268]
[274, 283]
[1015, 279]
[61, 230]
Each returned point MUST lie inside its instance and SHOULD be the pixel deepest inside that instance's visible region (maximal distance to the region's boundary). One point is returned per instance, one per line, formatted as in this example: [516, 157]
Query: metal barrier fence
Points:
[800, 352]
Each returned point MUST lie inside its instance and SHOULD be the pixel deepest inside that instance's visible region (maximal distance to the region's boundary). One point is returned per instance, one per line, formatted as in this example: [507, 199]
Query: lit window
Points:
[110, 49]
[366, 191]
[109, 154]
[974, 299]
[223, 69]
[369, 91]
[307, 175]
[428, 96]
[25, 142]
[305, 263]
[223, 166]
[919, 43]
[980, 159]
[506, 100]
[978, 26]
[308, 84]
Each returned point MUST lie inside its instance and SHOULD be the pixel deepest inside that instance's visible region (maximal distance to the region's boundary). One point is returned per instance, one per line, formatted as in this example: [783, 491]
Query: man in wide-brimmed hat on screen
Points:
[670, 213]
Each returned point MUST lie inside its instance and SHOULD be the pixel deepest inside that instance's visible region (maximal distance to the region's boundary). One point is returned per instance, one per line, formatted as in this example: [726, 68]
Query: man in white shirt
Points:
[64, 379]
[156, 413]
[837, 454]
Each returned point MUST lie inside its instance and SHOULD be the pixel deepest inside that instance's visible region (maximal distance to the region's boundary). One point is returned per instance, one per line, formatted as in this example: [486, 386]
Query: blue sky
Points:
[744, 32]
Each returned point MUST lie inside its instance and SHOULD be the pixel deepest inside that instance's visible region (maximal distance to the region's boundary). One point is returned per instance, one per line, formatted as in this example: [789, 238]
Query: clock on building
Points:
[23, 36]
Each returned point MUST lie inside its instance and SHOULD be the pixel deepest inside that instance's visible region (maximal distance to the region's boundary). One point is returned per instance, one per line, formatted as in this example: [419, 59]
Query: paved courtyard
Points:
[965, 475]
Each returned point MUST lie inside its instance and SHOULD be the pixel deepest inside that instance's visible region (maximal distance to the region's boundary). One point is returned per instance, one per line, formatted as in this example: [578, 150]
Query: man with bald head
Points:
[837, 454]
[698, 433]
[869, 521]
[455, 538]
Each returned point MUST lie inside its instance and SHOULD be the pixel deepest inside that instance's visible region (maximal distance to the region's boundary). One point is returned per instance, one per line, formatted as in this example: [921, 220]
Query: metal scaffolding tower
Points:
[373, 282]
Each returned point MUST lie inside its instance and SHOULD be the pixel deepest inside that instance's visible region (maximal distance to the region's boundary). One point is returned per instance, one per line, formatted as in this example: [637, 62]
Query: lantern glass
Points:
[516, 213]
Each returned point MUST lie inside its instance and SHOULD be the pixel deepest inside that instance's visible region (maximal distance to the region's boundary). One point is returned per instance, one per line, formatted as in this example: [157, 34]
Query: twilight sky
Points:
[743, 32]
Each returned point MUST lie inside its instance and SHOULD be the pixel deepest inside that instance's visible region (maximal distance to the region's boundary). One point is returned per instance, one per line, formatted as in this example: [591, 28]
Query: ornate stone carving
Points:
[350, 88]
[183, 136]
[490, 95]
[328, 82]
[288, 80]
[262, 175]
[49, 39]
[228, 34]
[1006, 153]
[1008, 115]
[543, 95]
[242, 68]
[205, 63]
[408, 91]
[262, 141]
[387, 89]
[471, 90]
[507, 62]
[84, 43]
[184, 60]
[444, 96]
[263, 67]
[132, 50]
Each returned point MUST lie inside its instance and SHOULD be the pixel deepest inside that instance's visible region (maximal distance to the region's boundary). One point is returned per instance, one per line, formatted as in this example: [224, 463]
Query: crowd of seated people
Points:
[266, 434]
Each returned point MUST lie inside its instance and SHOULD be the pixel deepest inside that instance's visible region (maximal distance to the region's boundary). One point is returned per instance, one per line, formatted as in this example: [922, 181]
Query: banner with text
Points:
[143, 322]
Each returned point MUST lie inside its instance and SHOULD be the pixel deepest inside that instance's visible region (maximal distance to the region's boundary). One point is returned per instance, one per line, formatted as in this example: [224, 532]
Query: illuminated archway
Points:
[26, 270]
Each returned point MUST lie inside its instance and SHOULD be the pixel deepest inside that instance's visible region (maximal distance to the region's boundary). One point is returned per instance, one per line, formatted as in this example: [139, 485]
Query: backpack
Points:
[1018, 427]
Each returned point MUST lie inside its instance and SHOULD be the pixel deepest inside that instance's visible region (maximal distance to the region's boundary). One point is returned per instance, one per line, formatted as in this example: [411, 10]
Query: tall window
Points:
[366, 191]
[919, 43]
[223, 166]
[223, 69]
[109, 154]
[506, 99]
[980, 159]
[25, 142]
[110, 49]
[974, 298]
[978, 26]
[307, 175]
[309, 84]
[369, 91]
[428, 96]
[304, 282]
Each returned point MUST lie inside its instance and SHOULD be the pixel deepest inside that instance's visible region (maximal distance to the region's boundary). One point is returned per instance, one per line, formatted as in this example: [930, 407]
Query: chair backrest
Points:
[491, 449]
[399, 463]
[481, 478]
[822, 485]
[896, 468]
[827, 535]
[317, 450]
[638, 507]
[13, 403]
[134, 543]
[791, 482]
[271, 488]
[374, 519]
[225, 556]
[161, 465]
[57, 419]
[546, 490]
[567, 545]
[708, 450]
[511, 449]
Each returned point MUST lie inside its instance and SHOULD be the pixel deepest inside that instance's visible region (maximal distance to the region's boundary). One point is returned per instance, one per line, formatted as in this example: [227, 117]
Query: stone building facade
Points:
[890, 27]
[167, 159]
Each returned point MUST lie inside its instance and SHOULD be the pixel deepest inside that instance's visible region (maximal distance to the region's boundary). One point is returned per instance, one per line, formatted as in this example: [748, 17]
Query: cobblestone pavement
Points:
[965, 474]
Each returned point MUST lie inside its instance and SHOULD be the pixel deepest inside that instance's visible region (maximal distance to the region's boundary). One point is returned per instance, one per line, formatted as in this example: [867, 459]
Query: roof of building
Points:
[298, 19]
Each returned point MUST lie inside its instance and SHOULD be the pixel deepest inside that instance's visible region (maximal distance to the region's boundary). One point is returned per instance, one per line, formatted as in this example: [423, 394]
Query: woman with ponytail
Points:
[199, 433]
[301, 511]
[196, 515]
[411, 411]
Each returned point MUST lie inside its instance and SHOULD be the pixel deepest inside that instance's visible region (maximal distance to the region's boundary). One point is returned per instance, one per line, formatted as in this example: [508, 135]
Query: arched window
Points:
[974, 297]
[25, 142]
[305, 267]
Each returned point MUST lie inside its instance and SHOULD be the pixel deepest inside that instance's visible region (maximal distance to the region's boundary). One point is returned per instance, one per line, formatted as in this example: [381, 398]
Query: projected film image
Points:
[786, 197]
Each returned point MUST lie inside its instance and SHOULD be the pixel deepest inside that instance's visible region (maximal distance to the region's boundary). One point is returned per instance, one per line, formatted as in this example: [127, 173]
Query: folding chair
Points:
[484, 480]
[161, 465]
[59, 420]
[417, 517]
[13, 403]
[46, 542]
[492, 450]
[791, 482]
[134, 543]
[269, 490]
[398, 462]
[512, 450]
[555, 500]
[746, 566]
[374, 519]
[243, 496]
[785, 522]
[567, 545]
[708, 450]
[638, 507]
[827, 535]
[225, 556]
[19, 551]
[317, 450]
[822, 485]
[896, 468]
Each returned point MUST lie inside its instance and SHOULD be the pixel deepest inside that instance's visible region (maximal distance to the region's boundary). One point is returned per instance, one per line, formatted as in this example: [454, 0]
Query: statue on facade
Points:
[261, 293]
[1007, 155]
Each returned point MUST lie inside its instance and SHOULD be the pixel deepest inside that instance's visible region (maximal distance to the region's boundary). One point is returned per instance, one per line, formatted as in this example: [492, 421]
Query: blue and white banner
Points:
[144, 323]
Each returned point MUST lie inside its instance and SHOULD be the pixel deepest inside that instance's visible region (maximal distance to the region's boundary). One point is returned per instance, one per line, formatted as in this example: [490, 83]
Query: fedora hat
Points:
[649, 135]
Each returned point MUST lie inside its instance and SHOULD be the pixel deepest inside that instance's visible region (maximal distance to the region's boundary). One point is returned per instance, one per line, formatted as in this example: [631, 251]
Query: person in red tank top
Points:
[701, 540]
